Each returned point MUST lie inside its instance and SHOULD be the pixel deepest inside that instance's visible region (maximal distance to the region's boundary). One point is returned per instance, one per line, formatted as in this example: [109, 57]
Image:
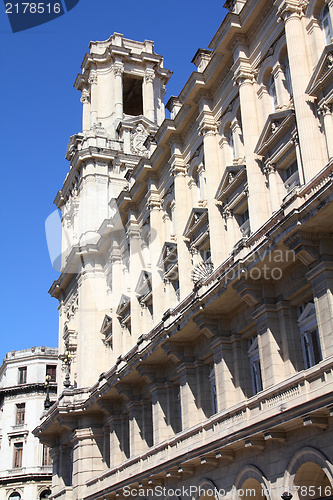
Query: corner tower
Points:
[122, 88]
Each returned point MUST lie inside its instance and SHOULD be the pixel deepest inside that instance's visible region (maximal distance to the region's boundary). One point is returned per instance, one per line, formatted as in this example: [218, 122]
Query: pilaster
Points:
[321, 278]
[292, 11]
[136, 265]
[270, 345]
[118, 70]
[208, 129]
[244, 77]
[156, 244]
[325, 110]
[179, 171]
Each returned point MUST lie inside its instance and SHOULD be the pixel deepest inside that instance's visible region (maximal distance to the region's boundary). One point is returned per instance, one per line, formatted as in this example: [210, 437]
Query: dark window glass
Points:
[20, 413]
[18, 452]
[22, 375]
[51, 370]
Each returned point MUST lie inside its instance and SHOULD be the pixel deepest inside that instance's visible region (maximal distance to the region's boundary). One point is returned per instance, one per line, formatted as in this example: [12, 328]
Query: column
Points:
[162, 429]
[118, 69]
[282, 93]
[136, 427]
[270, 345]
[85, 99]
[232, 235]
[330, 6]
[92, 308]
[216, 226]
[325, 111]
[308, 132]
[190, 413]
[156, 243]
[56, 479]
[117, 287]
[118, 445]
[181, 214]
[136, 266]
[270, 171]
[236, 135]
[93, 98]
[226, 156]
[223, 364]
[258, 211]
[87, 455]
[148, 95]
[321, 278]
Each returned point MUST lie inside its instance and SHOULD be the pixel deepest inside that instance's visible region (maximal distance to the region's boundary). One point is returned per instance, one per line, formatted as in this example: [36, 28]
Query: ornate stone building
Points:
[195, 296]
[25, 465]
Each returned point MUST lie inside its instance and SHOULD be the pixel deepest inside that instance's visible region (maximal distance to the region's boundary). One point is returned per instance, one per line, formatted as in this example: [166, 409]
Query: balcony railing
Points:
[293, 397]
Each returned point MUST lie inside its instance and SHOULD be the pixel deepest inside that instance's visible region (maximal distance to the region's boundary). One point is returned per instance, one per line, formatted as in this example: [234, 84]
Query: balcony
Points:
[233, 428]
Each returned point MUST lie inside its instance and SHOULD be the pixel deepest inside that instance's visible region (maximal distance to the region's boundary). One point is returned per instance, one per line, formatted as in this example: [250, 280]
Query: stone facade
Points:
[195, 296]
[25, 466]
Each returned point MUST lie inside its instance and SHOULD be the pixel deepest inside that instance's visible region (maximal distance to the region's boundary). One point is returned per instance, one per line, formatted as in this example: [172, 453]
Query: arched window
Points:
[15, 496]
[272, 92]
[326, 25]
[45, 494]
[287, 75]
[230, 140]
[307, 324]
[196, 179]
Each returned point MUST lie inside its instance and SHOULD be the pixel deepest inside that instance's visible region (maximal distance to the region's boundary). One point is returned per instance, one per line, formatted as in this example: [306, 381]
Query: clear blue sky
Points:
[40, 109]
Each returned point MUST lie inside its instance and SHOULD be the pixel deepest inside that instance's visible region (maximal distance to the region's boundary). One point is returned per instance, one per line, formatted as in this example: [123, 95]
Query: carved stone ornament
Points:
[138, 137]
[201, 271]
[85, 96]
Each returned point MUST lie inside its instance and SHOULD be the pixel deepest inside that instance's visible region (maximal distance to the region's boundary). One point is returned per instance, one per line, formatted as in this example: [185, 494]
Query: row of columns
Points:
[180, 394]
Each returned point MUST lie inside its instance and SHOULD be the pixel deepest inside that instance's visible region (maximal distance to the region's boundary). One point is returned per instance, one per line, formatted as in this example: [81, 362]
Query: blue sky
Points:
[40, 110]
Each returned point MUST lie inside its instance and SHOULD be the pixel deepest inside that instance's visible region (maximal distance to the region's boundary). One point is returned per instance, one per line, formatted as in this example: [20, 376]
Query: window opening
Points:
[132, 96]
[20, 413]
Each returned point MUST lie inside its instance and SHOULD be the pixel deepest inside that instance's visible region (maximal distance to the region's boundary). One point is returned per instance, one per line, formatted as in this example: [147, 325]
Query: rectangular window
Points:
[132, 96]
[46, 456]
[18, 452]
[51, 370]
[254, 357]
[22, 375]
[20, 413]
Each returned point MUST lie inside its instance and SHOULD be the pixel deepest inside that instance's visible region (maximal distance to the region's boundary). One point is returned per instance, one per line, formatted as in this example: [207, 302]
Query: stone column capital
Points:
[208, 128]
[149, 75]
[325, 109]
[93, 78]
[227, 213]
[178, 168]
[118, 68]
[269, 168]
[291, 8]
[244, 76]
[85, 96]
[133, 230]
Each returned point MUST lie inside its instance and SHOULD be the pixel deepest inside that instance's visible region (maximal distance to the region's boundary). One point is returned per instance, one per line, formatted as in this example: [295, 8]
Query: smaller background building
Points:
[25, 465]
